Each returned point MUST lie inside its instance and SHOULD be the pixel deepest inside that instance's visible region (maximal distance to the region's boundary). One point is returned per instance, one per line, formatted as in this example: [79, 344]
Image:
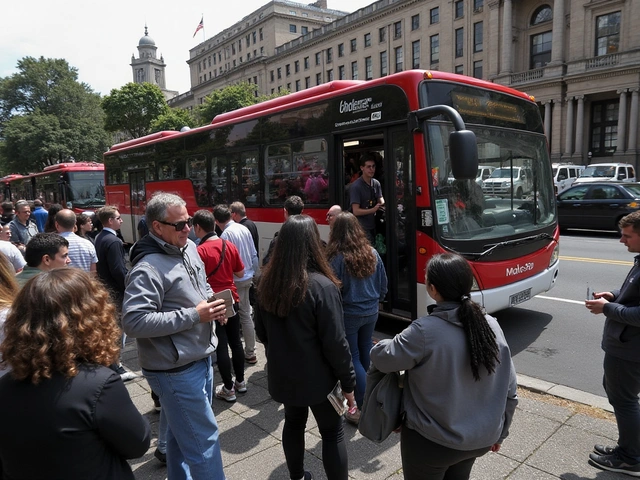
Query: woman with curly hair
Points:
[8, 291]
[364, 284]
[460, 385]
[60, 337]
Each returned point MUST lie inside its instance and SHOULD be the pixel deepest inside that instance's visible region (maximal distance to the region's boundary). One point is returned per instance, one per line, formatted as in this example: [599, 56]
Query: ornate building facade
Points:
[579, 58]
[148, 68]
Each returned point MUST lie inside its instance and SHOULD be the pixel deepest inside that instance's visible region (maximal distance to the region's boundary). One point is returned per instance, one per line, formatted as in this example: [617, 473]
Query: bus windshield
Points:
[516, 200]
[86, 189]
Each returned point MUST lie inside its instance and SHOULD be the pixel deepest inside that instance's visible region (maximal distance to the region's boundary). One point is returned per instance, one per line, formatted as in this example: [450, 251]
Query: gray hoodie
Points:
[162, 290]
[442, 401]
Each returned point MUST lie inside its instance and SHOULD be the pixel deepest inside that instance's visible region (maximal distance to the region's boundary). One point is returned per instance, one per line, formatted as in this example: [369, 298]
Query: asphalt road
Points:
[553, 337]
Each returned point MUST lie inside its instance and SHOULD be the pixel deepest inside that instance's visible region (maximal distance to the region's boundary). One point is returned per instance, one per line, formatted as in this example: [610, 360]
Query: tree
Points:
[47, 116]
[133, 108]
[174, 119]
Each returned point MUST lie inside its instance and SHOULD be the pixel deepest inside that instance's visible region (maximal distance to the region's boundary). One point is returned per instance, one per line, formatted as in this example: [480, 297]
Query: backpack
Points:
[381, 411]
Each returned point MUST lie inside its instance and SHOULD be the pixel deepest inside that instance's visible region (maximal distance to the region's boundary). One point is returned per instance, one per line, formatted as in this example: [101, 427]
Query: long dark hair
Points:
[349, 238]
[298, 251]
[452, 277]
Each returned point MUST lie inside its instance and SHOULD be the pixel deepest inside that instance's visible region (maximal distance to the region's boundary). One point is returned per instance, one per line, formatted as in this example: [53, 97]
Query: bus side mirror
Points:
[463, 151]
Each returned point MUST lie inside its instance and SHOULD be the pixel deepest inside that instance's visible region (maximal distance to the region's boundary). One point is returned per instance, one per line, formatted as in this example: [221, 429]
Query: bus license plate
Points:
[520, 297]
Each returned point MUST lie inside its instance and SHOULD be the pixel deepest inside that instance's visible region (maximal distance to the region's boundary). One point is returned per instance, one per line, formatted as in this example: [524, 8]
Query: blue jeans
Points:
[193, 450]
[358, 331]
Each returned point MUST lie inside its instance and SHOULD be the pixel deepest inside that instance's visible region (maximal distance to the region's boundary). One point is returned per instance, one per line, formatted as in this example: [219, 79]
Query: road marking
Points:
[566, 300]
[596, 260]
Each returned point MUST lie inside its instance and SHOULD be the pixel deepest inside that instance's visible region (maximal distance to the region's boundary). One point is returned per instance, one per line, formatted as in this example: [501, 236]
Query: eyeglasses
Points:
[179, 226]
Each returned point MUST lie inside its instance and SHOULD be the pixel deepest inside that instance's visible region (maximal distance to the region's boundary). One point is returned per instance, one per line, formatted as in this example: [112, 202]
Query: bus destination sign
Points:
[479, 106]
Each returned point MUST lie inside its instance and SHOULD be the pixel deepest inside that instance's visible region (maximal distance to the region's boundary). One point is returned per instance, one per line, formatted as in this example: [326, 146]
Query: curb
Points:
[562, 391]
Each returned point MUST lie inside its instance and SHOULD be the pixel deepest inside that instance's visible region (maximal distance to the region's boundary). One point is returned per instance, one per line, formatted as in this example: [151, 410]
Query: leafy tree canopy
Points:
[133, 108]
[174, 119]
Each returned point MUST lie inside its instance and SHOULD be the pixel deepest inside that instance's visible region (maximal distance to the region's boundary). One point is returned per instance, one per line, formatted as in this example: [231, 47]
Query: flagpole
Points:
[203, 36]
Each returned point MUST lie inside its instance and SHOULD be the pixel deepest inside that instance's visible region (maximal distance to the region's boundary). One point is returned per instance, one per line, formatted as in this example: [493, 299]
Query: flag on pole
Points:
[199, 27]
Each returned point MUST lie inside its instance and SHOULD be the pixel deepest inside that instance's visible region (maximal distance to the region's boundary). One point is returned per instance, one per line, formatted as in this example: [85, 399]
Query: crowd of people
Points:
[312, 305]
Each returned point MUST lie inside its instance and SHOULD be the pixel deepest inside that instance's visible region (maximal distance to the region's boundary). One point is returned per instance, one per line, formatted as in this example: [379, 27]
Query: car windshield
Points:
[601, 171]
[633, 189]
[504, 205]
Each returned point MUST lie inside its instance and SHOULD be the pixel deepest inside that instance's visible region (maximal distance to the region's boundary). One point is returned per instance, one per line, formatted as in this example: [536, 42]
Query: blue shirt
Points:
[40, 216]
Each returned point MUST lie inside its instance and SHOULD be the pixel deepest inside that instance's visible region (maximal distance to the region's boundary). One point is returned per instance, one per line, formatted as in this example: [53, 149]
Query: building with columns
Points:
[148, 68]
[579, 58]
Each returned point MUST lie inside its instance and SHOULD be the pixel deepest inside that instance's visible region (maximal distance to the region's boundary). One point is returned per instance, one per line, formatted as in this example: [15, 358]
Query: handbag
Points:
[381, 411]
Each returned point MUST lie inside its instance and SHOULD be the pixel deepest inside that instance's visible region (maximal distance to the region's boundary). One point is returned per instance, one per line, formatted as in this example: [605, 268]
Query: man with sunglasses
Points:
[166, 309]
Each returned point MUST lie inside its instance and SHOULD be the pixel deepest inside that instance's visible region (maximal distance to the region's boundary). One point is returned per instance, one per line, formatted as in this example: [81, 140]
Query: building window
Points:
[367, 40]
[304, 30]
[248, 39]
[435, 48]
[318, 78]
[604, 127]
[477, 5]
[341, 50]
[306, 63]
[293, 28]
[383, 64]
[459, 70]
[397, 30]
[279, 73]
[261, 35]
[296, 66]
[329, 75]
[307, 82]
[540, 50]
[459, 9]
[253, 37]
[317, 58]
[542, 14]
[354, 70]
[415, 22]
[233, 49]
[329, 55]
[459, 42]
[434, 15]
[368, 67]
[287, 69]
[289, 86]
[415, 54]
[341, 73]
[608, 33]
[354, 45]
[477, 37]
[477, 69]
[399, 59]
[297, 85]
[382, 34]
[271, 75]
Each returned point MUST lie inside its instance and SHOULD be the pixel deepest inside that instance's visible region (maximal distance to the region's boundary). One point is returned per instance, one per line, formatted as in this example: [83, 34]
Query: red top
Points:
[209, 252]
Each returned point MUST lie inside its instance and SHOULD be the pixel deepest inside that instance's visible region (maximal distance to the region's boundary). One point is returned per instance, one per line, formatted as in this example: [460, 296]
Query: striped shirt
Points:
[81, 252]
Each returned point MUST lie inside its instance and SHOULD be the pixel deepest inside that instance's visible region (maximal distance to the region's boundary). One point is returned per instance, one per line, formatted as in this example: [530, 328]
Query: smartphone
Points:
[589, 294]
[227, 296]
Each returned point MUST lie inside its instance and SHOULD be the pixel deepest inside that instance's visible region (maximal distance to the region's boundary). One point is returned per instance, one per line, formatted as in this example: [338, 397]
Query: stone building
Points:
[579, 58]
[148, 68]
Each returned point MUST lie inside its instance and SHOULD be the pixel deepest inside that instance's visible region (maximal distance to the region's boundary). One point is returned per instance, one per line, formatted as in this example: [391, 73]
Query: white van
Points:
[607, 172]
[499, 182]
[564, 174]
[484, 171]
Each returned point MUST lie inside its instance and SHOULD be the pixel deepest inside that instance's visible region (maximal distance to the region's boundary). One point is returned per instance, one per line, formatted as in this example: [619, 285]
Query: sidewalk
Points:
[547, 440]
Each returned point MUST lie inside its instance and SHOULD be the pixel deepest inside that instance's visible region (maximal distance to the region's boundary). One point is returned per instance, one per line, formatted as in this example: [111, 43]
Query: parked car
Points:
[484, 172]
[607, 172]
[564, 174]
[597, 205]
[499, 183]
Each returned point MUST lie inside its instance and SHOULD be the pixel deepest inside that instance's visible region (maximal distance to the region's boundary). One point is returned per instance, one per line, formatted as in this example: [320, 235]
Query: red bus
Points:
[78, 185]
[431, 131]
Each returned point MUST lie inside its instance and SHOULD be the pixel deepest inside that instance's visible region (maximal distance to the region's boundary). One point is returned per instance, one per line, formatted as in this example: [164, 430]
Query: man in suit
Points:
[111, 265]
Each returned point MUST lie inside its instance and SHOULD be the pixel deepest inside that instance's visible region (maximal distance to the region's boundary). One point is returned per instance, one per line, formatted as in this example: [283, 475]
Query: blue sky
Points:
[99, 38]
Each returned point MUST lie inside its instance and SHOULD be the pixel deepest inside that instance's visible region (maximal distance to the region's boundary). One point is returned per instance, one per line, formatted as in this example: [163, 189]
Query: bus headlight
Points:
[555, 255]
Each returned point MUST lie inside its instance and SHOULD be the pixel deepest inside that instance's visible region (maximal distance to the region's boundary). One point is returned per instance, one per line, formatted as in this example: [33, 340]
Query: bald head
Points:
[65, 220]
[332, 212]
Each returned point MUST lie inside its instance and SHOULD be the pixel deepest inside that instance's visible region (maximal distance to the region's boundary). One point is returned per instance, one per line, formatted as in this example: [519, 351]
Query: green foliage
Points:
[174, 119]
[133, 108]
[47, 116]
[225, 100]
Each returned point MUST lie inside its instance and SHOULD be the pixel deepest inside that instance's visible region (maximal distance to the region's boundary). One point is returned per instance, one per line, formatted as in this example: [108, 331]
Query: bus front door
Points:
[138, 203]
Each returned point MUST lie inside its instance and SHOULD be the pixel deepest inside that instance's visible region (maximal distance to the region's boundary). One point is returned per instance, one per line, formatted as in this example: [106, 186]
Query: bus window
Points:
[219, 180]
[171, 170]
[113, 176]
[279, 180]
[250, 194]
[198, 175]
[310, 160]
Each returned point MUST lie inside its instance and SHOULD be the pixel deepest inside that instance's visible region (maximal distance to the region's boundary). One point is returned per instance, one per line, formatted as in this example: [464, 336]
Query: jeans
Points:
[334, 449]
[622, 384]
[423, 459]
[229, 336]
[193, 450]
[162, 432]
[358, 331]
[246, 322]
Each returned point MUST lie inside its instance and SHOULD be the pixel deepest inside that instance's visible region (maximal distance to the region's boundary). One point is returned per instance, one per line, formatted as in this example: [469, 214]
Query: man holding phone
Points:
[222, 263]
[621, 345]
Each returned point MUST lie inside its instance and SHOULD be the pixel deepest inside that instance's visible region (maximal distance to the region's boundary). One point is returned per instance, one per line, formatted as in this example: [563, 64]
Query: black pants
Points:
[423, 459]
[334, 449]
[229, 336]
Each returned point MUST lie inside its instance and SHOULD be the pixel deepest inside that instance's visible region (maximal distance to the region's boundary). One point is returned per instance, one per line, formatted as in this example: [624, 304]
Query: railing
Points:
[527, 76]
[603, 61]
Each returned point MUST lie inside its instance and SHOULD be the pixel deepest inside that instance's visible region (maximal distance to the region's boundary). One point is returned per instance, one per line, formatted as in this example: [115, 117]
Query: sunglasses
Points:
[179, 226]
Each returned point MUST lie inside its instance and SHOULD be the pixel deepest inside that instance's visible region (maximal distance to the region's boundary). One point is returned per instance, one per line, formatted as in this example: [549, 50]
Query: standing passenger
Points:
[81, 252]
[299, 320]
[166, 309]
[364, 284]
[39, 215]
[239, 215]
[366, 196]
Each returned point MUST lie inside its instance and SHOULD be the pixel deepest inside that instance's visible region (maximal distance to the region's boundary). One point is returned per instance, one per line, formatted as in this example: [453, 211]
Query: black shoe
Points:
[162, 457]
[614, 463]
[156, 402]
[604, 449]
[308, 476]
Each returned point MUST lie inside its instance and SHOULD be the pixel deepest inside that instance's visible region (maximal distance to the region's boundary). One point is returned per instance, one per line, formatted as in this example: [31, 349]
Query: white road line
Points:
[566, 300]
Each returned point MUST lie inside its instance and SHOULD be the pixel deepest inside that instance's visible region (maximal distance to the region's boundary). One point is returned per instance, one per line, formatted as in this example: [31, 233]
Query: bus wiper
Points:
[517, 241]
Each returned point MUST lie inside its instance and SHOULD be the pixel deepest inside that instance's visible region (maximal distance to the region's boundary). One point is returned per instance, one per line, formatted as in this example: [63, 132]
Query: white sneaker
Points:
[223, 394]
[241, 387]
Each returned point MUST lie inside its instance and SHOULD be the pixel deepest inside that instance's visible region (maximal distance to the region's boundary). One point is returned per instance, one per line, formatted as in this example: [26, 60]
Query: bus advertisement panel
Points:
[428, 131]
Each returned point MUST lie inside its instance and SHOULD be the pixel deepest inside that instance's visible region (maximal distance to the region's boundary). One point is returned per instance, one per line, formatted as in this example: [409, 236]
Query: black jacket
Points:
[79, 428]
[111, 266]
[307, 351]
